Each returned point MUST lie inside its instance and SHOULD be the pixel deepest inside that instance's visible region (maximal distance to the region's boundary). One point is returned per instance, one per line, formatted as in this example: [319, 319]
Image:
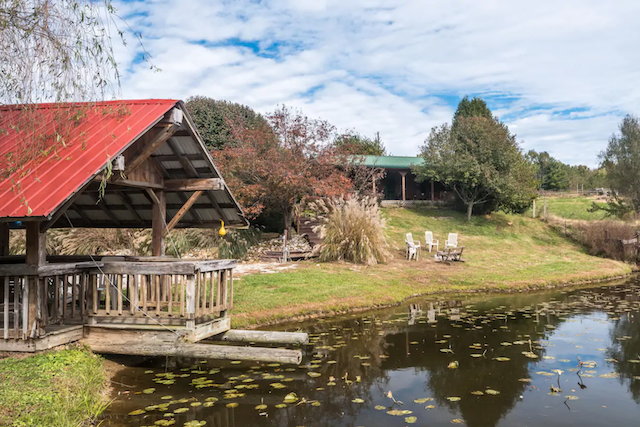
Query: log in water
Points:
[203, 351]
[264, 337]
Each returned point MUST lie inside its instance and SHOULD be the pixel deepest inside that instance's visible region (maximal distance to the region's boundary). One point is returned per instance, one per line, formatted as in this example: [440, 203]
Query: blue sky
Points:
[560, 74]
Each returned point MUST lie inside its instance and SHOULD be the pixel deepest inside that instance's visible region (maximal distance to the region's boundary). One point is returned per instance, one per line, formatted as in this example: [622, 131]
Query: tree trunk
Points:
[469, 210]
[288, 218]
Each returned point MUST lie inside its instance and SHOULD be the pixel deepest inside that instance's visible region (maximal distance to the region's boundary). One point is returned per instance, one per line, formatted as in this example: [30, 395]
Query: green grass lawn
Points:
[54, 389]
[570, 207]
[502, 252]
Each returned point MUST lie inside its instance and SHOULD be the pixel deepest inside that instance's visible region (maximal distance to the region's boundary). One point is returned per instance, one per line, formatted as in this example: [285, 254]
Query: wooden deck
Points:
[155, 299]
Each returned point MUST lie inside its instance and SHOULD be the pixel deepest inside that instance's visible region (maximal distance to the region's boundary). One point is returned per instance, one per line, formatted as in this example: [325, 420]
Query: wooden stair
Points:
[305, 227]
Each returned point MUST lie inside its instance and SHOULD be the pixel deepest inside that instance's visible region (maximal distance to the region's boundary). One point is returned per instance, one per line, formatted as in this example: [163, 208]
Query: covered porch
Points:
[143, 166]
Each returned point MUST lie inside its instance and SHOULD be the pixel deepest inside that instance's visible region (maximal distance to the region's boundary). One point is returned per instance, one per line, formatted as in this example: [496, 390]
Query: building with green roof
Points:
[399, 182]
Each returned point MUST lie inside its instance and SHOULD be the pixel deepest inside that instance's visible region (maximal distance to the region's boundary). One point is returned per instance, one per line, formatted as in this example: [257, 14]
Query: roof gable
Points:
[74, 144]
[68, 144]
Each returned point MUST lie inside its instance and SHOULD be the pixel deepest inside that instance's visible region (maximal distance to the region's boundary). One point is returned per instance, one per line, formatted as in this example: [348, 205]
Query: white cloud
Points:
[389, 66]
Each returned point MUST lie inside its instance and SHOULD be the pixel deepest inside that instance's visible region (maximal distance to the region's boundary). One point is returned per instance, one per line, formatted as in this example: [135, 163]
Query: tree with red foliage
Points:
[279, 165]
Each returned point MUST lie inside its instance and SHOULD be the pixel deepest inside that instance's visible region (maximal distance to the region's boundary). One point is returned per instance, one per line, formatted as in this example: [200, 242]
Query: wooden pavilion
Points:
[121, 164]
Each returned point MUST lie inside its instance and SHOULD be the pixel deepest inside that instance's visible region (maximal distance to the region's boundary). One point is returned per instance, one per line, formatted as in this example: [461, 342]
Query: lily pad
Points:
[291, 398]
[453, 398]
[410, 420]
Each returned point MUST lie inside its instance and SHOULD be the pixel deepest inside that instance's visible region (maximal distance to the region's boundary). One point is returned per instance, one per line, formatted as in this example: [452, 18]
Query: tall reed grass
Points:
[107, 241]
[352, 230]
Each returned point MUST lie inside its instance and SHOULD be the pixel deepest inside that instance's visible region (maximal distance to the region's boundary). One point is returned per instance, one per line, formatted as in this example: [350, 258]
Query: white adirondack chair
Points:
[429, 241]
[452, 241]
[413, 247]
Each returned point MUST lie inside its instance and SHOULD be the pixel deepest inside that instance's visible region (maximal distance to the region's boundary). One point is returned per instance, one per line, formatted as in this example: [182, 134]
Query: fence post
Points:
[534, 209]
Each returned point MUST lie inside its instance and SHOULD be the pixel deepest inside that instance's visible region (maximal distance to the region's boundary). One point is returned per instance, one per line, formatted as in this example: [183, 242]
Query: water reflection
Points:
[498, 361]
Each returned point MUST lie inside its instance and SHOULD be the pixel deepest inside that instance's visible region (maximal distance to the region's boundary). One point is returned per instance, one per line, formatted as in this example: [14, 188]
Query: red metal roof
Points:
[49, 151]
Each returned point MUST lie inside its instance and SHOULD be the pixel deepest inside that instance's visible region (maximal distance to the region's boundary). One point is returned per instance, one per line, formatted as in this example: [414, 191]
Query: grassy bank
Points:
[570, 207]
[58, 388]
[502, 252]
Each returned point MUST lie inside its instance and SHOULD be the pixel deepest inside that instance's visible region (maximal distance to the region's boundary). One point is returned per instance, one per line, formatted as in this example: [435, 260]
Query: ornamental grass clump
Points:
[352, 230]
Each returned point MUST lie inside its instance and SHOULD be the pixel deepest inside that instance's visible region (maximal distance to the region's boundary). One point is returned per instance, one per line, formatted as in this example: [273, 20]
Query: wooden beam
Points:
[117, 180]
[176, 157]
[103, 208]
[158, 215]
[81, 214]
[47, 225]
[4, 239]
[217, 206]
[160, 138]
[152, 196]
[127, 202]
[183, 210]
[194, 184]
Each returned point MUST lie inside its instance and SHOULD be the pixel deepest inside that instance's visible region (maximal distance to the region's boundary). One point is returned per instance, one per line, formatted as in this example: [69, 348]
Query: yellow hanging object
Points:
[222, 231]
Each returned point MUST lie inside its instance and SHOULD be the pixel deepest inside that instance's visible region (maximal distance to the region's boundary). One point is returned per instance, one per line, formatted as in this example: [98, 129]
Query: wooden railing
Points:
[58, 296]
[170, 292]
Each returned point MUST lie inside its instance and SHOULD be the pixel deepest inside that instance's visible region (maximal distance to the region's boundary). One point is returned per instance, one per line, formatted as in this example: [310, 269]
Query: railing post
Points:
[191, 301]
[6, 307]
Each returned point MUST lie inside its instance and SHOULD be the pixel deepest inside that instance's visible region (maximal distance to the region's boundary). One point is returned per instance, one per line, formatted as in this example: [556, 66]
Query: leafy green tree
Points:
[354, 143]
[481, 161]
[555, 177]
[214, 119]
[475, 107]
[621, 160]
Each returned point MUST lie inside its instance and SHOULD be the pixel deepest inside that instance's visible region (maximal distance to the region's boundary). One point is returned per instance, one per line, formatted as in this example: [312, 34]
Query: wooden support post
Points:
[433, 191]
[158, 215]
[36, 256]
[404, 185]
[6, 308]
[4, 239]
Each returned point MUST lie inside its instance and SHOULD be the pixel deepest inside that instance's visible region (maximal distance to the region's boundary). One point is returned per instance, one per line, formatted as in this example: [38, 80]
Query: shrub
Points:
[351, 230]
[237, 242]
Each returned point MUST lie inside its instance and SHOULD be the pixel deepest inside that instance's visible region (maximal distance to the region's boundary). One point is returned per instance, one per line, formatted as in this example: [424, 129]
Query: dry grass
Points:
[352, 230]
[110, 241]
[600, 238]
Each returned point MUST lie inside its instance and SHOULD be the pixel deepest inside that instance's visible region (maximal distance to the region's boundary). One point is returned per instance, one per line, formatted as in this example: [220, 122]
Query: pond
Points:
[561, 358]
